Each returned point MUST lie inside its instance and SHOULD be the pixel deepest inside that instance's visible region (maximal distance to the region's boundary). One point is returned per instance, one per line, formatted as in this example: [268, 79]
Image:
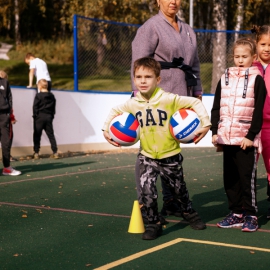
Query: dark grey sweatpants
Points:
[42, 122]
[171, 171]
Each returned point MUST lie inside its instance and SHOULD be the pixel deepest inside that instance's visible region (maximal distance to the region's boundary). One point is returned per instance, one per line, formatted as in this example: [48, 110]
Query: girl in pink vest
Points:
[263, 61]
[237, 117]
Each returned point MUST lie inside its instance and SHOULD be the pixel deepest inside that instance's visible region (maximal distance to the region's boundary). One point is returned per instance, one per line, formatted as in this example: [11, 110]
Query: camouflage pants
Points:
[171, 172]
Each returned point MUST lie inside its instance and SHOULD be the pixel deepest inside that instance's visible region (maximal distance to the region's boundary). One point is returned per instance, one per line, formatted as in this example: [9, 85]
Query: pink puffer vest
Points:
[237, 105]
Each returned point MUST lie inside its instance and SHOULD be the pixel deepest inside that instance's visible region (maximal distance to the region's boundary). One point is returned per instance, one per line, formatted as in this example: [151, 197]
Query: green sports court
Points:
[74, 213]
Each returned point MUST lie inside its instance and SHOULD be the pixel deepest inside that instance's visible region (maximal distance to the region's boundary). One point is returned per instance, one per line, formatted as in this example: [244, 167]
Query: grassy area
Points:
[62, 74]
[114, 84]
[62, 77]
[206, 76]
[59, 57]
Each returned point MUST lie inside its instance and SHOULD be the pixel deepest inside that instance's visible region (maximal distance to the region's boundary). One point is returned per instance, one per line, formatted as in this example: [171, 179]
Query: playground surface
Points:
[74, 213]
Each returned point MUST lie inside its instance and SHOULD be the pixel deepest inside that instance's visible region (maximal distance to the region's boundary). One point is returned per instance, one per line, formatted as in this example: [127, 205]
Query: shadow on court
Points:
[55, 165]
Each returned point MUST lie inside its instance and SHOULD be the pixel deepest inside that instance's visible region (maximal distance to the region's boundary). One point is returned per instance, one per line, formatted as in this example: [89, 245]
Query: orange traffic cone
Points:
[136, 222]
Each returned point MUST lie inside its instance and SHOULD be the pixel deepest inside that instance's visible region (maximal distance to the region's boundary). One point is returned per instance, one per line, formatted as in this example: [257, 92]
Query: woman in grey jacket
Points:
[164, 37]
[173, 43]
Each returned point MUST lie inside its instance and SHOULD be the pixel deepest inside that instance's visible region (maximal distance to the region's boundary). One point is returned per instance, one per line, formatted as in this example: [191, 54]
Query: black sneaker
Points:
[162, 220]
[194, 220]
[152, 231]
[171, 208]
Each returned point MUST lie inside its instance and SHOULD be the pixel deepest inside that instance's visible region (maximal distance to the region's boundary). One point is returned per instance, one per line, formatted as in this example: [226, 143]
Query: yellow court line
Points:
[224, 244]
[138, 255]
[173, 242]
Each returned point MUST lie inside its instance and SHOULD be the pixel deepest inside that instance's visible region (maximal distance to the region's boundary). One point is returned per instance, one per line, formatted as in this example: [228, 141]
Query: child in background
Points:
[43, 114]
[38, 68]
[160, 152]
[13, 121]
[263, 61]
[5, 111]
[237, 117]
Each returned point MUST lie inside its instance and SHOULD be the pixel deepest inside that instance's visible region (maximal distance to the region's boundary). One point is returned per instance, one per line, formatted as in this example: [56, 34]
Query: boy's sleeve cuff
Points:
[205, 122]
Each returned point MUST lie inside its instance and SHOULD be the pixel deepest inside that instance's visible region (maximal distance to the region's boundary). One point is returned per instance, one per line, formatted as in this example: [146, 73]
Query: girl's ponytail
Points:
[260, 30]
[255, 29]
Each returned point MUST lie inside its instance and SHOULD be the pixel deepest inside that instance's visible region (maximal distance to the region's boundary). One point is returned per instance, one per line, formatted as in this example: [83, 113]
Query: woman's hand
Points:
[109, 139]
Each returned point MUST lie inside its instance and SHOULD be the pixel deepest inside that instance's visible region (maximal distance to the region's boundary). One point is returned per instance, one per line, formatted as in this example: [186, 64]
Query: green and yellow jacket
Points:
[154, 118]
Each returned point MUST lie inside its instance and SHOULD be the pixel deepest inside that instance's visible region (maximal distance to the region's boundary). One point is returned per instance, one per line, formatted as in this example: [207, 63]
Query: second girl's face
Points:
[169, 7]
[263, 49]
[242, 56]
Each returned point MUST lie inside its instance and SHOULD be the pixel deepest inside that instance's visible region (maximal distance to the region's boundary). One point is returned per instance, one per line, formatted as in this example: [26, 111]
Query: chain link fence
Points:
[102, 54]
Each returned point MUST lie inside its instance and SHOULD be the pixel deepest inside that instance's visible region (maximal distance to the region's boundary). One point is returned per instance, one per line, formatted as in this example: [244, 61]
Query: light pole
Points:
[191, 13]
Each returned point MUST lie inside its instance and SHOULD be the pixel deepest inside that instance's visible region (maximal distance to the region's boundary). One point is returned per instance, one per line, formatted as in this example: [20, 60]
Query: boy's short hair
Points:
[28, 56]
[147, 62]
[247, 42]
[3, 74]
[43, 84]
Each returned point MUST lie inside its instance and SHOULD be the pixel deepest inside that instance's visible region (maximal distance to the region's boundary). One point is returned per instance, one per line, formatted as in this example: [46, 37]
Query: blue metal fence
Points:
[102, 54]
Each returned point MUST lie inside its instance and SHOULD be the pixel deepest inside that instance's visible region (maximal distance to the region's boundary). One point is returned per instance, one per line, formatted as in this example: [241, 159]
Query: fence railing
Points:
[102, 54]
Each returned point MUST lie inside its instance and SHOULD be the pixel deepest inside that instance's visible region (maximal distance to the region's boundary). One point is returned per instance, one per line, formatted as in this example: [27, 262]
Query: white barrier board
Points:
[79, 117]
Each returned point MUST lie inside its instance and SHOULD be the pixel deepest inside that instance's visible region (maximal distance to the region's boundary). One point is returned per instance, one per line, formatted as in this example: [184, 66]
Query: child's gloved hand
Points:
[109, 139]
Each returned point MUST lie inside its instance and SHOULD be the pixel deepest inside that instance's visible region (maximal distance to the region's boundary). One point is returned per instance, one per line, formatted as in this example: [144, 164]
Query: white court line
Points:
[83, 172]
[64, 174]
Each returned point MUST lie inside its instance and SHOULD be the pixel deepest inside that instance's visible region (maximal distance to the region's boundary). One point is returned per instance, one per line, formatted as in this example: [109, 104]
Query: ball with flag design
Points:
[183, 124]
[125, 129]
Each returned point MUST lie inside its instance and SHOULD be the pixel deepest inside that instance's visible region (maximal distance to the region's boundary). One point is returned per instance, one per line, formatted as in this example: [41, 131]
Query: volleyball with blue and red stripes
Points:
[125, 129]
[183, 125]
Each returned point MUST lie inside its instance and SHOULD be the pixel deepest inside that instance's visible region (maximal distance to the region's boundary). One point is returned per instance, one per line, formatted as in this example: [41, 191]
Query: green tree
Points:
[219, 42]
[53, 19]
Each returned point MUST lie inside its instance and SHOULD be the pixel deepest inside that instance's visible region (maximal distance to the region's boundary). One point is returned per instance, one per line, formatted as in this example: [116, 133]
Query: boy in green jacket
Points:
[160, 152]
